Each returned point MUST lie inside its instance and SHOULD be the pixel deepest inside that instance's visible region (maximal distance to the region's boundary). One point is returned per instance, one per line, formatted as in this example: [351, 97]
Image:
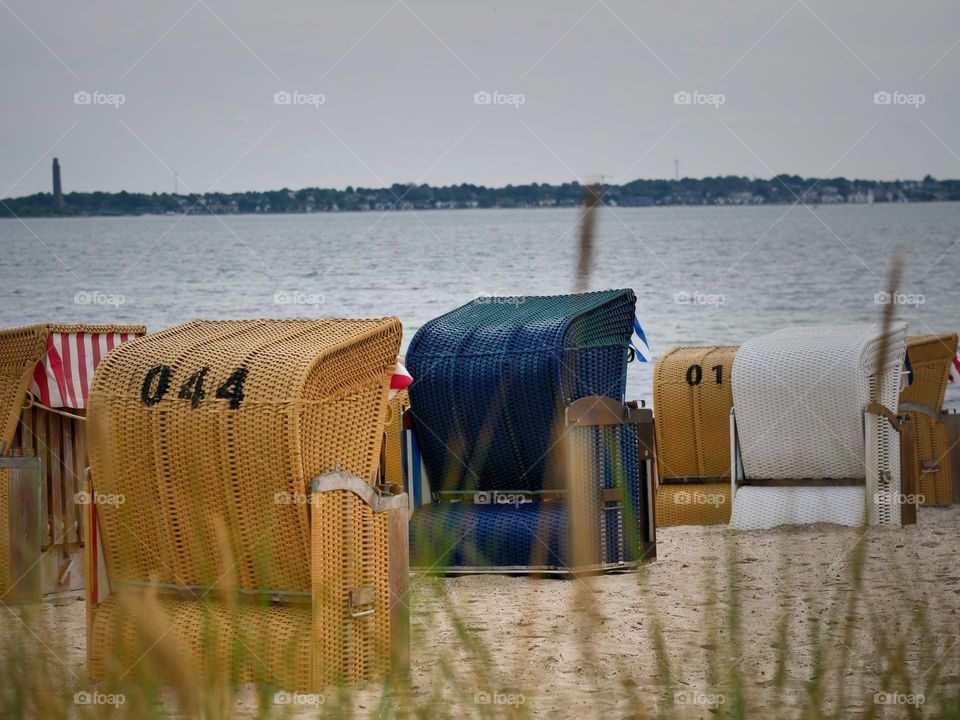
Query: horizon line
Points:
[578, 183]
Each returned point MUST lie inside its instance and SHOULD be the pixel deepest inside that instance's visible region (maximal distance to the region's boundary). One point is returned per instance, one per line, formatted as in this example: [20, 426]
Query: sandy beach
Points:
[587, 647]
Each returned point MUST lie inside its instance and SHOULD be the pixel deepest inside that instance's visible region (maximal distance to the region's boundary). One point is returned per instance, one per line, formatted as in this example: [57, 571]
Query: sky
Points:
[253, 96]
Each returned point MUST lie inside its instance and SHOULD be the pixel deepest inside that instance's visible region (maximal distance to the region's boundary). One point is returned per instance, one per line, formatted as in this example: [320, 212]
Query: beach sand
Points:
[556, 659]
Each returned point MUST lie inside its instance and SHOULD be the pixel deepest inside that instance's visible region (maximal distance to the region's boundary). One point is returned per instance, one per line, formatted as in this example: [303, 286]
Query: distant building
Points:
[637, 201]
[57, 187]
[688, 197]
[742, 198]
[830, 196]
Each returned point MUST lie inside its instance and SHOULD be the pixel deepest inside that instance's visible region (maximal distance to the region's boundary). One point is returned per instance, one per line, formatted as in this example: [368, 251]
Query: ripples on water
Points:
[756, 269]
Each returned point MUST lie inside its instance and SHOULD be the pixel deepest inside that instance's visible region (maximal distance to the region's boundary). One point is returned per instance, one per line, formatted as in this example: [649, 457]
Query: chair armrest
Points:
[918, 408]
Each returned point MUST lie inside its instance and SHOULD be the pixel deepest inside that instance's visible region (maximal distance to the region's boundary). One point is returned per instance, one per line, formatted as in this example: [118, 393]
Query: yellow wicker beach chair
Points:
[930, 358]
[692, 398]
[233, 469]
[44, 375]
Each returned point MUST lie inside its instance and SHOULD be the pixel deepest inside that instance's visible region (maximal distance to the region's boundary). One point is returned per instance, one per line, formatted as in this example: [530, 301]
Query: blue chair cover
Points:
[493, 377]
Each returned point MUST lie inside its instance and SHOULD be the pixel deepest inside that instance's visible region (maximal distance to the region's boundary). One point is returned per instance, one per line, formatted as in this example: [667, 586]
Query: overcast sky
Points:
[785, 86]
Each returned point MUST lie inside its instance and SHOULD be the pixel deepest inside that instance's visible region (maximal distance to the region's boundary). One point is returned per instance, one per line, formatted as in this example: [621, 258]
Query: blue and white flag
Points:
[639, 344]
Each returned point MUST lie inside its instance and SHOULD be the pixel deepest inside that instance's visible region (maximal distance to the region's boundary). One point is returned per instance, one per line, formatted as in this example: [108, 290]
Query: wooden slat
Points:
[40, 435]
[89, 566]
[399, 580]
[80, 464]
[25, 430]
[17, 441]
[70, 485]
[55, 442]
[22, 476]
[908, 471]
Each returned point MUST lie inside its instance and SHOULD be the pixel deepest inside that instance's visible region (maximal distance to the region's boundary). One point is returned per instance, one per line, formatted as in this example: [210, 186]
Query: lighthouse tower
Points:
[57, 187]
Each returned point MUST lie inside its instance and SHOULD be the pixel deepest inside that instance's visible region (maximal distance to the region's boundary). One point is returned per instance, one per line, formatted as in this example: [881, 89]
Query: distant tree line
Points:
[731, 190]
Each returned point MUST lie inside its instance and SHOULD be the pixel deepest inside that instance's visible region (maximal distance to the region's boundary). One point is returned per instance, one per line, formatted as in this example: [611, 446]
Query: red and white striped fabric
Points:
[62, 378]
[955, 369]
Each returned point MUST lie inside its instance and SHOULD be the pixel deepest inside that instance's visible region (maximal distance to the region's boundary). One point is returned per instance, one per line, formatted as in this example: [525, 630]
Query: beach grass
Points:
[777, 633]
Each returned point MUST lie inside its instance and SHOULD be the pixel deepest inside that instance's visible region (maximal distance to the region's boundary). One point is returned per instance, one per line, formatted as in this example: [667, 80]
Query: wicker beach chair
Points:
[505, 407]
[692, 399]
[234, 507]
[930, 358]
[45, 371]
[808, 443]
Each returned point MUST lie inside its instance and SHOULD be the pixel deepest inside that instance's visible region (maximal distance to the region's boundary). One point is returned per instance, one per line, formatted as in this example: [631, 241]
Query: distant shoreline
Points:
[78, 216]
[686, 192]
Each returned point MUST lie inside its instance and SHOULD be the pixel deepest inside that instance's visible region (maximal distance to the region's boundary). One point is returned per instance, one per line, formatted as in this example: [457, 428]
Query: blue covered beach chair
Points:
[533, 462]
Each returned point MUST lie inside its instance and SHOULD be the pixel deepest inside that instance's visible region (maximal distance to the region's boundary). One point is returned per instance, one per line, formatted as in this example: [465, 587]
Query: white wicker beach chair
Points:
[805, 447]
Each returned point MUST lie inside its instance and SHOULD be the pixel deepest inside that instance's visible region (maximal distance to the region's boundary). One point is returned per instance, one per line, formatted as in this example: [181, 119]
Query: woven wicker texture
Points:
[20, 351]
[761, 508]
[350, 551]
[249, 639]
[934, 463]
[265, 644]
[693, 503]
[393, 439]
[800, 395]
[692, 397]
[221, 424]
[930, 358]
[491, 380]
[461, 534]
